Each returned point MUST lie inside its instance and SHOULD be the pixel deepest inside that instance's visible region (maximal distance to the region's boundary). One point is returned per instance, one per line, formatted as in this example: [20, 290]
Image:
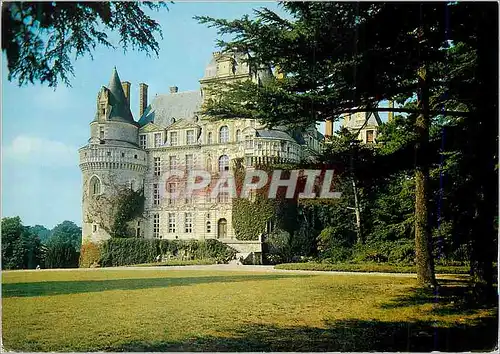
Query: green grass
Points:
[185, 310]
[177, 262]
[369, 267]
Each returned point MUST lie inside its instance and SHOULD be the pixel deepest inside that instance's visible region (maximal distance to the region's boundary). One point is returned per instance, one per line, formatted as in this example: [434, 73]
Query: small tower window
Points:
[101, 133]
[95, 186]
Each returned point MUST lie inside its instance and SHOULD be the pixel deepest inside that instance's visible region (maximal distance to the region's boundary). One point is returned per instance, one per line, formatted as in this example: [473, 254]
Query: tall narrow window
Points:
[171, 223]
[209, 138]
[223, 163]
[248, 142]
[190, 137]
[172, 163]
[142, 140]
[189, 162]
[369, 136]
[172, 190]
[138, 229]
[156, 194]
[101, 133]
[95, 186]
[157, 164]
[173, 139]
[238, 135]
[224, 134]
[158, 140]
[209, 227]
[209, 164]
[188, 223]
[156, 225]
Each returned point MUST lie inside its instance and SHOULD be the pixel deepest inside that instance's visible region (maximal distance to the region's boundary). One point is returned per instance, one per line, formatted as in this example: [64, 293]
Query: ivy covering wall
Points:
[251, 215]
[128, 251]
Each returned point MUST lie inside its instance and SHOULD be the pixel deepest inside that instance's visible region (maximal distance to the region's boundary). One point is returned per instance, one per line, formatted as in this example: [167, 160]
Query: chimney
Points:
[143, 98]
[390, 115]
[126, 91]
[174, 89]
[328, 128]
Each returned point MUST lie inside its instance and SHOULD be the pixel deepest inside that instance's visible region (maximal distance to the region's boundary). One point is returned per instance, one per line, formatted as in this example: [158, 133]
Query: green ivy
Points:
[129, 251]
[251, 216]
[130, 205]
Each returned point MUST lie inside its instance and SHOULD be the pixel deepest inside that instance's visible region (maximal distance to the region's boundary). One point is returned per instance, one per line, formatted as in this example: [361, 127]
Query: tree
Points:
[347, 57]
[20, 248]
[41, 231]
[67, 232]
[40, 38]
[61, 254]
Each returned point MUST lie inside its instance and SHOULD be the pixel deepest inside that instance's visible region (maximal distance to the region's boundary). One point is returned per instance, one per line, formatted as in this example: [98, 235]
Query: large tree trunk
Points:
[423, 239]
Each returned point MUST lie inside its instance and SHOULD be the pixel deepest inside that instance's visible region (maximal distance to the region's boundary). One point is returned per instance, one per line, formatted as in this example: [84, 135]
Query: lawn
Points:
[369, 267]
[186, 310]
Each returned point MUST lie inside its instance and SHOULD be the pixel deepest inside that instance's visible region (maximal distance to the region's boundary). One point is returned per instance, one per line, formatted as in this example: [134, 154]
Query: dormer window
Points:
[173, 139]
[157, 139]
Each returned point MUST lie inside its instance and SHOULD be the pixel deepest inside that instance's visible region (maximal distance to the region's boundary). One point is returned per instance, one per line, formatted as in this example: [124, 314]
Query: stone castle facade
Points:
[171, 133]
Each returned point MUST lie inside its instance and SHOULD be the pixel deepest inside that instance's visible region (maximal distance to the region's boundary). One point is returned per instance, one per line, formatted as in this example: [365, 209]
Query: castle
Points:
[172, 133]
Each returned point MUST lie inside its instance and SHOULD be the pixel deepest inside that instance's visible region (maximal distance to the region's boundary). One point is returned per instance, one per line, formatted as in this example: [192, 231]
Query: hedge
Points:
[129, 251]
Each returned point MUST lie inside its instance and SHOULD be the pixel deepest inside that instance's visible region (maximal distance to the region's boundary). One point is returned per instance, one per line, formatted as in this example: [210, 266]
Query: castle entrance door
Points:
[222, 228]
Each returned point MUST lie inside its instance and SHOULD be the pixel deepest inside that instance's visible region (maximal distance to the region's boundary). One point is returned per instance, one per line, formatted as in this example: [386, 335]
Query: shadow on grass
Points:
[453, 296]
[86, 286]
[347, 335]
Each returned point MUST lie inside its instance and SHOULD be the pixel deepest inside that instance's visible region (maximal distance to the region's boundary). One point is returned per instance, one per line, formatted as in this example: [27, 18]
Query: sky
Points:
[43, 129]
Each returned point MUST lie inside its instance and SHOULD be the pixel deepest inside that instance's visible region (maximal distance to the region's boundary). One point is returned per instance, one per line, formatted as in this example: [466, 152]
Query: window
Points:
[171, 223]
[209, 138]
[172, 162]
[172, 189]
[157, 167]
[209, 164]
[209, 227]
[248, 142]
[369, 136]
[224, 134]
[224, 163]
[142, 140]
[173, 139]
[158, 140]
[156, 225]
[188, 223]
[95, 186]
[189, 162]
[109, 153]
[156, 194]
[94, 228]
[238, 135]
[132, 185]
[138, 229]
[190, 137]
[223, 197]
[101, 133]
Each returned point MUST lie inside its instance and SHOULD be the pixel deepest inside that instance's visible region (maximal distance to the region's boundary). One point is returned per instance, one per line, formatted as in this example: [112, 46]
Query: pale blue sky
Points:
[42, 129]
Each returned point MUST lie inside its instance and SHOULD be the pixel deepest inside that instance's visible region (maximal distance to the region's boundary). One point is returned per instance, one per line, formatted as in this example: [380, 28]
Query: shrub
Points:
[278, 246]
[90, 254]
[61, 255]
[129, 251]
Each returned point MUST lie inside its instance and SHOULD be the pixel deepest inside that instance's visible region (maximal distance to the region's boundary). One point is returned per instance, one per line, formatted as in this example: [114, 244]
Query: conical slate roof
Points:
[120, 110]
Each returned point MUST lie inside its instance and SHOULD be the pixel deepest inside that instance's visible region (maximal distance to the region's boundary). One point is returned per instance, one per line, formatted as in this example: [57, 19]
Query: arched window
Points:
[224, 163]
[222, 228]
[224, 134]
[238, 135]
[209, 164]
[95, 185]
[209, 138]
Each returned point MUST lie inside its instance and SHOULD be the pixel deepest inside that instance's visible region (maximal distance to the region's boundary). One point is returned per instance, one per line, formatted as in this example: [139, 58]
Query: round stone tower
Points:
[111, 160]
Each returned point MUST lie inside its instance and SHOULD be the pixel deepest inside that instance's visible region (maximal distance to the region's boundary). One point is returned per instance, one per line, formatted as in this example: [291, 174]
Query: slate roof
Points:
[120, 110]
[164, 108]
[273, 134]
